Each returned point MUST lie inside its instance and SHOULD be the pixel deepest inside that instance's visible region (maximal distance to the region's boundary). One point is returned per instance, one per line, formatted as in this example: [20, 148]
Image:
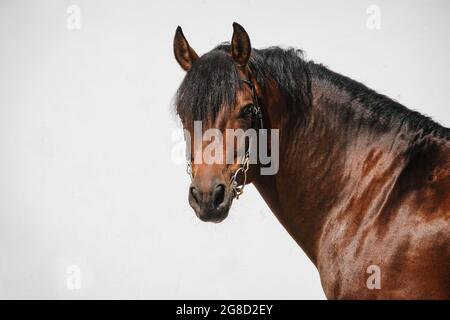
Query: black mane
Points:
[209, 85]
[380, 111]
[213, 80]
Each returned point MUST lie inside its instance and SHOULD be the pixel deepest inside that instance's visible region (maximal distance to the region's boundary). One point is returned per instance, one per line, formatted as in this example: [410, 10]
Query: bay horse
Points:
[363, 184]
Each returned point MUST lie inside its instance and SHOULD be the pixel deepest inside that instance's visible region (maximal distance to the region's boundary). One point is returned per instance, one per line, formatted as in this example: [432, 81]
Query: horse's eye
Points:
[246, 111]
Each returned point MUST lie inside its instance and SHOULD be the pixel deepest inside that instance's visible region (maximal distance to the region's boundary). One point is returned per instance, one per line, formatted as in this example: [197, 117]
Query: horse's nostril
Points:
[218, 194]
[195, 195]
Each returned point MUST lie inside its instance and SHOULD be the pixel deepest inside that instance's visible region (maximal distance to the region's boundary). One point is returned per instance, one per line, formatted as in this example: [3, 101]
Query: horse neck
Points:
[325, 160]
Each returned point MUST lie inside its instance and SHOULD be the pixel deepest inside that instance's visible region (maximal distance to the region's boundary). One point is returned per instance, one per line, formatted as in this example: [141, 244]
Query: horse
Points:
[363, 184]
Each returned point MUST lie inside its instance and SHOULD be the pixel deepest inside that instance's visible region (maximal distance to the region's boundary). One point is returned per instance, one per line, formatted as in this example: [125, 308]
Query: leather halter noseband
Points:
[257, 123]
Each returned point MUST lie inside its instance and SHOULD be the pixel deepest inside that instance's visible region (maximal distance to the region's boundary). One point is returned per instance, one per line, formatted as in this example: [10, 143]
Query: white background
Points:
[86, 175]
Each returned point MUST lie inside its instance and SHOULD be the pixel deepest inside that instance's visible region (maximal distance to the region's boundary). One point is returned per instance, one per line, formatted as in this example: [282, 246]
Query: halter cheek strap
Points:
[256, 110]
[257, 123]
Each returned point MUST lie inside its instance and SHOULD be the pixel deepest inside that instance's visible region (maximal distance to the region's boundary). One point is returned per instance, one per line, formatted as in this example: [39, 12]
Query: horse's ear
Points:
[184, 54]
[240, 45]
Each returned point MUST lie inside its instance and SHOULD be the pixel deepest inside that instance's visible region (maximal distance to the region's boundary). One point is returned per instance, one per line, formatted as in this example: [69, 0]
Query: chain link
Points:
[239, 189]
[189, 169]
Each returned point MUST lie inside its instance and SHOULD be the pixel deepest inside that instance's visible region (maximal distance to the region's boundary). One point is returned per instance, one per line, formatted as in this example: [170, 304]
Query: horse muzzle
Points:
[210, 201]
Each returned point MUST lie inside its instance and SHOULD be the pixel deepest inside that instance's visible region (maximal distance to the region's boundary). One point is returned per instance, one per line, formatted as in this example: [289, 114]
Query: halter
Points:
[257, 123]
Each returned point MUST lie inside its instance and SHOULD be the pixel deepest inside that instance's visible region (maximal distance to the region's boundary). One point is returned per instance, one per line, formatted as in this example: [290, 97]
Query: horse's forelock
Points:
[210, 85]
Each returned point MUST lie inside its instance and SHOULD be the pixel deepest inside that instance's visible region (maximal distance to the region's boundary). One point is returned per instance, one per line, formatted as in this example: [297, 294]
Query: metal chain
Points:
[189, 169]
[239, 189]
